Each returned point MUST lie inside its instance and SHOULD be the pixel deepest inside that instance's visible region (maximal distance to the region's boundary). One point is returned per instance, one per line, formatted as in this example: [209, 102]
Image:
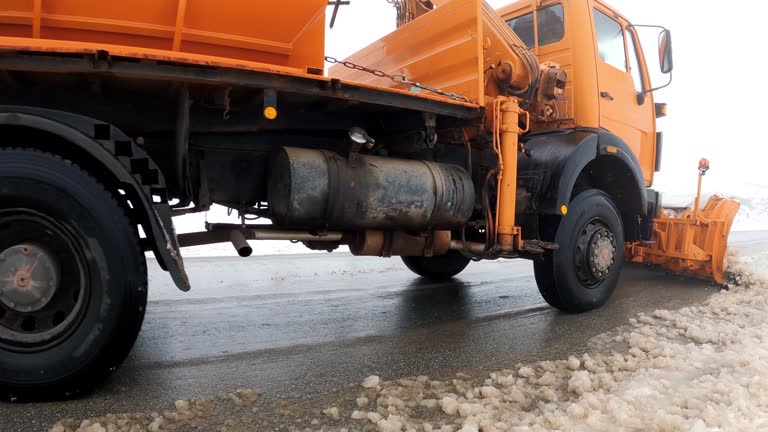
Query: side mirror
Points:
[665, 51]
[665, 56]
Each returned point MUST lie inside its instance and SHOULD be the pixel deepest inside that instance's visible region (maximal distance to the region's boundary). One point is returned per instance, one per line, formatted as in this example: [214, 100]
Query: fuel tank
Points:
[321, 189]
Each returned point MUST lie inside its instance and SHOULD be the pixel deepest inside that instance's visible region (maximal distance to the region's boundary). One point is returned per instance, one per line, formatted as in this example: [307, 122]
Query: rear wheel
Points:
[439, 267]
[582, 274]
[72, 278]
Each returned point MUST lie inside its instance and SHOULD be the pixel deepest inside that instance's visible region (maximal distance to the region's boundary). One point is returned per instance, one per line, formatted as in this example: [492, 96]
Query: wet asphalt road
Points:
[309, 325]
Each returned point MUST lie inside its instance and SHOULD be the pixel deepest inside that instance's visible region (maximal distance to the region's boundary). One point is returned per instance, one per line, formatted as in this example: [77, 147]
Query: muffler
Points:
[321, 189]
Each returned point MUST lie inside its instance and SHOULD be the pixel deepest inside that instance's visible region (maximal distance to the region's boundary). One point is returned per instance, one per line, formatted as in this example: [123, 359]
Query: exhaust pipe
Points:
[240, 243]
[237, 235]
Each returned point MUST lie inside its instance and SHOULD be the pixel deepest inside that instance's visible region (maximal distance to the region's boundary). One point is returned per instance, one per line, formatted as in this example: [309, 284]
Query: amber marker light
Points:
[270, 113]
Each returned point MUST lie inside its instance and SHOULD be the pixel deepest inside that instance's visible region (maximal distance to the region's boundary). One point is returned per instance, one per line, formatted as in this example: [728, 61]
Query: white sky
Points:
[716, 98]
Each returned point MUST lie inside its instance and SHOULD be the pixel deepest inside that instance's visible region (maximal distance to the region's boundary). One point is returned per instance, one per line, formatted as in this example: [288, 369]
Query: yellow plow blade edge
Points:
[692, 243]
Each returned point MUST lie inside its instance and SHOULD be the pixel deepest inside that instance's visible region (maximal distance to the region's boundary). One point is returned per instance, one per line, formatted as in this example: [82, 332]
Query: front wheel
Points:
[439, 268]
[72, 278]
[583, 273]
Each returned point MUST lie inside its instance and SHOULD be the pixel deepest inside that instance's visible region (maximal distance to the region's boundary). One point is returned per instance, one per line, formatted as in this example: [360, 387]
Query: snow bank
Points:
[753, 213]
[188, 414]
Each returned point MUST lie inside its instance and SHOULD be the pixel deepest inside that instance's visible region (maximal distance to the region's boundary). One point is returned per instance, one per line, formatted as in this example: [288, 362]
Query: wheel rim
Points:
[43, 291]
[595, 253]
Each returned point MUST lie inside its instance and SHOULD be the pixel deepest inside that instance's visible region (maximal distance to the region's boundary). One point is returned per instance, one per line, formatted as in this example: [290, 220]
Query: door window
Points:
[610, 41]
[551, 24]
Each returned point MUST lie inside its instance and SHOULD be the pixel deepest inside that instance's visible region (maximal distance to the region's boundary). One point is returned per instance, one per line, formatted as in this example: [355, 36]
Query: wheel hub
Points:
[595, 252]
[39, 303]
[32, 277]
[603, 248]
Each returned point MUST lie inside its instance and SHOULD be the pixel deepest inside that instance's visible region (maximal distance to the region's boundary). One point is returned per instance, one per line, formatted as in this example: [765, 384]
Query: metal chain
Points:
[396, 78]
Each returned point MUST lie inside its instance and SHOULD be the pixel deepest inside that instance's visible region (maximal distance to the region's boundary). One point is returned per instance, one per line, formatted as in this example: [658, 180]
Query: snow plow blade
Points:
[692, 243]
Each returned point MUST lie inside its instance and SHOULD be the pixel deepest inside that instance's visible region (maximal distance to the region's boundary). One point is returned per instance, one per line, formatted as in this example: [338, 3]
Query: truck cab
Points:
[614, 90]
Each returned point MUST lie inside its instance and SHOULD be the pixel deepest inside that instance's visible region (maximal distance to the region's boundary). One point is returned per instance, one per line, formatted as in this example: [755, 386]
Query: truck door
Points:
[621, 75]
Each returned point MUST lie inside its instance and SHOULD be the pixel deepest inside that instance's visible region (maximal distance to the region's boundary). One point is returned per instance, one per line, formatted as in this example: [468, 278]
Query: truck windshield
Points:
[550, 22]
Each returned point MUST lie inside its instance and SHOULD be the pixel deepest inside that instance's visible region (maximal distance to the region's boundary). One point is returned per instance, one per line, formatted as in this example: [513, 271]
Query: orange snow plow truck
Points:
[465, 134]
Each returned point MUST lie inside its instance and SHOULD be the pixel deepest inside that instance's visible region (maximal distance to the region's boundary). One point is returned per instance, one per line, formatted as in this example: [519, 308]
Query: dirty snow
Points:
[371, 382]
[700, 368]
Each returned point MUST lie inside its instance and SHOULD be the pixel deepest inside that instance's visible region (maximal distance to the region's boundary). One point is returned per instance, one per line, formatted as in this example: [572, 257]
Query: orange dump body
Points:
[277, 44]
[448, 48]
[281, 33]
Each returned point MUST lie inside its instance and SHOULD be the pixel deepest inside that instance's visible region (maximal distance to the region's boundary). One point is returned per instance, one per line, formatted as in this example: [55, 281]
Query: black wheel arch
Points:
[562, 163]
[111, 156]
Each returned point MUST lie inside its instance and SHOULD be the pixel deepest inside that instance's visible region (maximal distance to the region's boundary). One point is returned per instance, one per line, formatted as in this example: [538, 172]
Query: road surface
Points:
[305, 328]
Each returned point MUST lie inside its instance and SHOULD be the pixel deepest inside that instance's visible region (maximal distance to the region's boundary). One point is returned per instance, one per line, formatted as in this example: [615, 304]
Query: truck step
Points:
[539, 246]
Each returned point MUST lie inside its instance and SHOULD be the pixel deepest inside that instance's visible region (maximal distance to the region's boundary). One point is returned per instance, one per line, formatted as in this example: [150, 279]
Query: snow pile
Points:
[192, 414]
[700, 368]
[753, 213]
[188, 414]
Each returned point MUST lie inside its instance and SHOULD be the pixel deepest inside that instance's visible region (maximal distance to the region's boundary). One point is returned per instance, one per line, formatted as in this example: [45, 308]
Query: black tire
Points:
[437, 268]
[583, 273]
[94, 270]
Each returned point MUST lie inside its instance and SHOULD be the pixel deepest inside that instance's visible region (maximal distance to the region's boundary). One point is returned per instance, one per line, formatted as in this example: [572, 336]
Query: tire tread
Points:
[127, 329]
